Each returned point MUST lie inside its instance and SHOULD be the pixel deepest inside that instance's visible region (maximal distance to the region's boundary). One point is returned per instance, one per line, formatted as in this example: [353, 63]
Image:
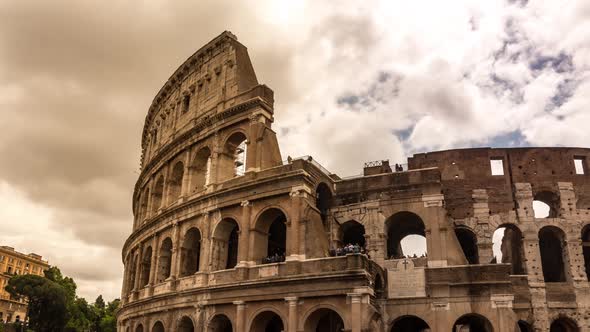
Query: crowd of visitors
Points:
[348, 249]
[277, 257]
[408, 256]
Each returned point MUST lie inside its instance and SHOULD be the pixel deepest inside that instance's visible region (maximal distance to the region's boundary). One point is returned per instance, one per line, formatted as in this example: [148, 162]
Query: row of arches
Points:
[194, 175]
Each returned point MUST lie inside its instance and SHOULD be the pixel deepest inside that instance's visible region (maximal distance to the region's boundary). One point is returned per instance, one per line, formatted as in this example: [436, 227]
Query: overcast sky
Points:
[353, 81]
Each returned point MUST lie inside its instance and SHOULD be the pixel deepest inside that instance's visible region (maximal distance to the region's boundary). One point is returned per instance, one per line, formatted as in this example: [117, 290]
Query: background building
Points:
[227, 236]
[12, 263]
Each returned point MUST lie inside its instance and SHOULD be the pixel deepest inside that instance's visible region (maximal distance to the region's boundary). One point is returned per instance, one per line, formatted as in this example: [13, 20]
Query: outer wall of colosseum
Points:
[228, 236]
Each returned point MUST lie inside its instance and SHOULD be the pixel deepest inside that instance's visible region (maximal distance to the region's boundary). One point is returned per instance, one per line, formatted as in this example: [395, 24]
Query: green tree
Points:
[47, 301]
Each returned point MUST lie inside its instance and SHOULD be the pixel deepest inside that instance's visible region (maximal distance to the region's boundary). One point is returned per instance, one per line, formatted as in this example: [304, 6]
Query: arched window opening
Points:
[563, 324]
[225, 245]
[165, 260]
[270, 245]
[232, 162]
[139, 328]
[552, 244]
[410, 324]
[406, 235]
[353, 233]
[472, 322]
[158, 327]
[220, 323]
[324, 320]
[586, 249]
[146, 266]
[468, 241]
[157, 194]
[202, 169]
[176, 181]
[508, 248]
[524, 326]
[186, 325]
[132, 273]
[323, 201]
[546, 204]
[267, 321]
[143, 205]
[190, 252]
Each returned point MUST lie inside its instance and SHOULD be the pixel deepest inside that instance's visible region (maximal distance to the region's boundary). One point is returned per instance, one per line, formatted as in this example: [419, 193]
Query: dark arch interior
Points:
[220, 323]
[551, 246]
[139, 328]
[472, 322]
[165, 260]
[353, 233]
[512, 249]
[146, 264]
[410, 324]
[323, 199]
[267, 322]
[175, 182]
[524, 326]
[158, 327]
[157, 194]
[563, 325]
[190, 252]
[277, 237]
[186, 325]
[398, 227]
[324, 320]
[232, 248]
[586, 249]
[201, 166]
[468, 242]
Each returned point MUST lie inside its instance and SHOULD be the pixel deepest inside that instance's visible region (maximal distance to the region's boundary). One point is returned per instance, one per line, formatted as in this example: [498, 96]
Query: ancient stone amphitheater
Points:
[228, 236]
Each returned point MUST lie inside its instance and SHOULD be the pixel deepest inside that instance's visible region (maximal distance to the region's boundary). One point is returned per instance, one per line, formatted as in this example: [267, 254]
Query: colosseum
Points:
[229, 236]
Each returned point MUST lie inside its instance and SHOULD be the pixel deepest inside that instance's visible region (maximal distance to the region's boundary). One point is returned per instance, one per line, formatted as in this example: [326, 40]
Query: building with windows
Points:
[228, 236]
[14, 263]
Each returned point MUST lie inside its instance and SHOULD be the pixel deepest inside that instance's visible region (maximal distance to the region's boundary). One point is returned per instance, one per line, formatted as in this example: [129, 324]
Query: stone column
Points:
[175, 262]
[244, 256]
[355, 311]
[481, 212]
[148, 209]
[138, 268]
[154, 264]
[253, 151]
[292, 302]
[186, 179]
[296, 242]
[240, 315]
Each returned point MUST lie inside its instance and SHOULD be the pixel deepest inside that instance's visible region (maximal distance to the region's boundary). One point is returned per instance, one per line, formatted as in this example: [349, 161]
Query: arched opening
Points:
[225, 243]
[132, 273]
[267, 321]
[468, 241]
[508, 248]
[201, 169]
[143, 205]
[410, 324]
[271, 237]
[472, 322]
[586, 249]
[524, 326]
[552, 244]
[219, 323]
[186, 325]
[545, 204]
[323, 200]
[324, 320]
[564, 324]
[164, 260]
[139, 328]
[232, 162]
[190, 252]
[146, 265]
[406, 235]
[175, 183]
[158, 327]
[352, 233]
[157, 194]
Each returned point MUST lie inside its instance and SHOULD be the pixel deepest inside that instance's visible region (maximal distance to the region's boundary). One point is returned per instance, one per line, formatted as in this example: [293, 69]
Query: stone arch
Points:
[324, 320]
[352, 232]
[186, 324]
[586, 249]
[232, 160]
[468, 241]
[510, 248]
[158, 327]
[409, 323]
[267, 320]
[175, 182]
[146, 266]
[164, 260]
[201, 170]
[220, 323]
[472, 322]
[270, 234]
[157, 194]
[323, 200]
[552, 246]
[139, 328]
[190, 252]
[224, 244]
[398, 227]
[564, 324]
[550, 199]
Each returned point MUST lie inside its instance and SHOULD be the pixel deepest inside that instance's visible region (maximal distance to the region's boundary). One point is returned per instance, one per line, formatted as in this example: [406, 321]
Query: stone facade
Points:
[227, 236]
[11, 263]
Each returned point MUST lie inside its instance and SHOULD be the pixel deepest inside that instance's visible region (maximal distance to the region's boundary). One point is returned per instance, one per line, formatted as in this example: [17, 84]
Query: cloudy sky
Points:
[354, 81]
